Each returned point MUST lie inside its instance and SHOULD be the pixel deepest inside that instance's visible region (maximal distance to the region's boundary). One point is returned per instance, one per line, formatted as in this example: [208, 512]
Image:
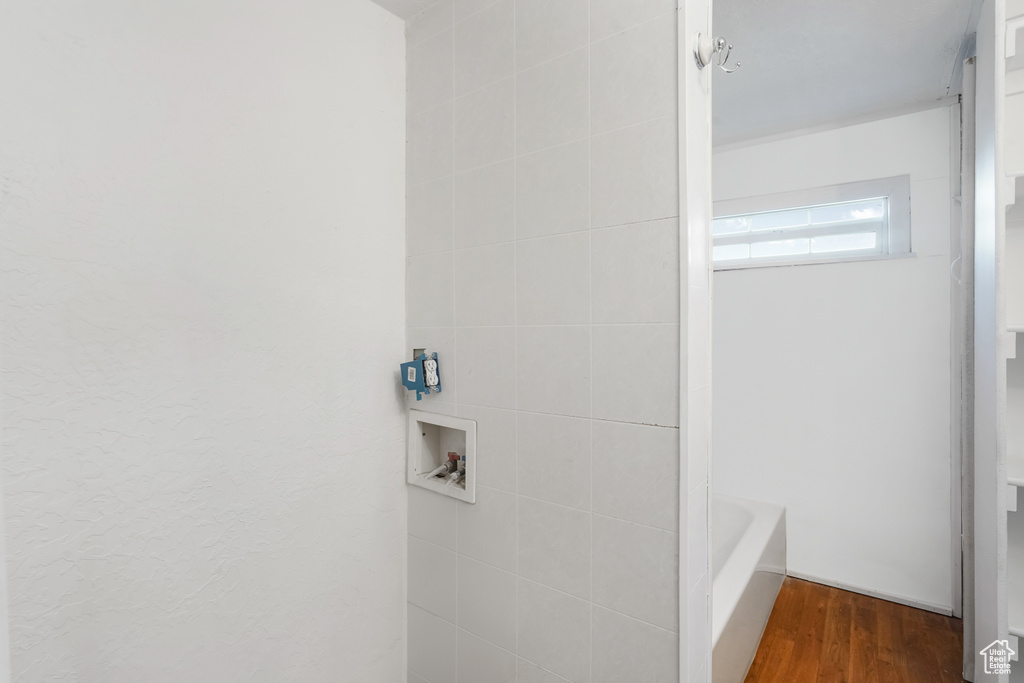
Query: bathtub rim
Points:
[744, 560]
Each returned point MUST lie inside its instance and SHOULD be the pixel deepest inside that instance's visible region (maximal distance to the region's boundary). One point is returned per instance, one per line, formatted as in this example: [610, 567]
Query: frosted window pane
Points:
[850, 211]
[802, 233]
[854, 242]
[730, 226]
[780, 248]
[778, 220]
[730, 252]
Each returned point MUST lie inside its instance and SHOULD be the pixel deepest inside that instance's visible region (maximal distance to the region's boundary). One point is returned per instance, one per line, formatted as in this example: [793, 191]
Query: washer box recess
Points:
[431, 437]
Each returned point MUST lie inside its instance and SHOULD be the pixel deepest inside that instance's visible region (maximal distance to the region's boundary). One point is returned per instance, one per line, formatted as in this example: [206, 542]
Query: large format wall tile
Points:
[429, 217]
[485, 367]
[431, 517]
[430, 73]
[486, 602]
[636, 473]
[434, 19]
[484, 47]
[554, 631]
[553, 370]
[553, 191]
[481, 661]
[553, 280]
[608, 17]
[430, 639]
[636, 273]
[485, 293]
[546, 29]
[426, 562]
[429, 151]
[484, 126]
[634, 371]
[543, 245]
[484, 205]
[429, 296]
[552, 103]
[636, 571]
[634, 75]
[634, 174]
[554, 459]
[487, 530]
[629, 650]
[495, 446]
[531, 673]
[554, 546]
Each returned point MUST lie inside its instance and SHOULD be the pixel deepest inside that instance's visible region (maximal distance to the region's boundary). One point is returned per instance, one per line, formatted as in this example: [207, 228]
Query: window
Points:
[844, 222]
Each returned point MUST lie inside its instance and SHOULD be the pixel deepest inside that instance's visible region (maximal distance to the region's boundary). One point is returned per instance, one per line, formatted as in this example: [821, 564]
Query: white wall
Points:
[201, 256]
[832, 382]
[544, 269]
[1014, 278]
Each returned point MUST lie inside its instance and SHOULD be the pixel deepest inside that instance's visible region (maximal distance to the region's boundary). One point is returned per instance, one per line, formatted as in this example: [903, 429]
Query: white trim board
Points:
[898, 599]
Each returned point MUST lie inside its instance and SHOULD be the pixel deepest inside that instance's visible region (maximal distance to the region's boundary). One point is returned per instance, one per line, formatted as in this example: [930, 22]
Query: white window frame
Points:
[894, 237]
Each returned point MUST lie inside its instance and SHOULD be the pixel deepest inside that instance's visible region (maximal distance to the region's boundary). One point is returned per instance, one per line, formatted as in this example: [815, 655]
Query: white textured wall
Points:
[201, 258]
[543, 244]
[832, 382]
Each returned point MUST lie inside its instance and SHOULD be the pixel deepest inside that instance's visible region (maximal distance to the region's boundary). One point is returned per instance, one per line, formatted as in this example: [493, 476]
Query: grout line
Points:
[515, 155]
[567, 143]
[455, 344]
[411, 113]
[477, 11]
[448, 27]
[590, 266]
[468, 557]
[571, 417]
[549, 325]
[674, 12]
[590, 42]
[635, 124]
[593, 513]
[646, 221]
[560, 678]
[438, 616]
[479, 637]
[480, 88]
[516, 240]
[488, 165]
[635, 523]
[515, 312]
[550, 60]
[600, 606]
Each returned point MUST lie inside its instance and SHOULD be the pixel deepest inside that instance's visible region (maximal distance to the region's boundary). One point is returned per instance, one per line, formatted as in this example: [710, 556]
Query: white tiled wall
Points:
[544, 270]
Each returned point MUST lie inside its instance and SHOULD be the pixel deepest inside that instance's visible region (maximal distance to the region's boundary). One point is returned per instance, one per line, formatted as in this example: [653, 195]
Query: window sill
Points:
[812, 262]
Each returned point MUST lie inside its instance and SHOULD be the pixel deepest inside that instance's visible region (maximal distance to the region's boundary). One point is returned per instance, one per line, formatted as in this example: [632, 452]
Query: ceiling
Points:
[406, 9]
[810, 62]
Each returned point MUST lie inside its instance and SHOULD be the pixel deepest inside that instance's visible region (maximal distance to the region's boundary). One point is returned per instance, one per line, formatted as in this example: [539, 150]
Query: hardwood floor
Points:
[822, 634]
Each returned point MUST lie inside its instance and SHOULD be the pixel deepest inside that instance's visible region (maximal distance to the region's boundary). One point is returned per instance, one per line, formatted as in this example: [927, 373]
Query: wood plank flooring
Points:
[819, 634]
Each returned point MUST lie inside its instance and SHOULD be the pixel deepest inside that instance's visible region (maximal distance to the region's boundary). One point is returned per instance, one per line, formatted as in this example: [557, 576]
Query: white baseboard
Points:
[945, 610]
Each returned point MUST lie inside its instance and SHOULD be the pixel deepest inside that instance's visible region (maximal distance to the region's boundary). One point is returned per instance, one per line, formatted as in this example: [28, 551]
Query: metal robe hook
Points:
[706, 50]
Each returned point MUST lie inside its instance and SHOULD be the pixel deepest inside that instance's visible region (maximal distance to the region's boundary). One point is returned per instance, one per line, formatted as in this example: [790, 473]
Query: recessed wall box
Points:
[432, 437]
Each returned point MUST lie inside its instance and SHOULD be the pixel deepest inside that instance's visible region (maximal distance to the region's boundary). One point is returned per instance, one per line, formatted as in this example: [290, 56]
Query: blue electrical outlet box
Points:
[422, 375]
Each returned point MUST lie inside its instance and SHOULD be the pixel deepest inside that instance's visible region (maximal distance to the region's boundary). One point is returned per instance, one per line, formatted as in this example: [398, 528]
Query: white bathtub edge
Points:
[745, 590]
[745, 559]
